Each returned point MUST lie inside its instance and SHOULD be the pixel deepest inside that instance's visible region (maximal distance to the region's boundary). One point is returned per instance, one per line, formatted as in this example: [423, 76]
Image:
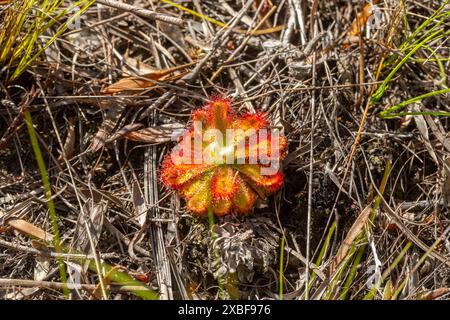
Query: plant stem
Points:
[215, 253]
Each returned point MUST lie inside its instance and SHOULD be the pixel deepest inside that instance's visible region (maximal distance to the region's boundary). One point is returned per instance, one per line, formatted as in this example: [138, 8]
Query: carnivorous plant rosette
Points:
[223, 162]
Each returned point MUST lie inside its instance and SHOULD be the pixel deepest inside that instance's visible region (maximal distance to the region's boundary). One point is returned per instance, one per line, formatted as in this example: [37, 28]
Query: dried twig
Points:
[142, 12]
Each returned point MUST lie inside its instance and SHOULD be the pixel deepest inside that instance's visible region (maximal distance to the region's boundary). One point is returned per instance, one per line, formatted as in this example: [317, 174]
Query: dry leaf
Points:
[139, 66]
[74, 275]
[30, 229]
[124, 131]
[438, 131]
[260, 32]
[158, 134]
[145, 81]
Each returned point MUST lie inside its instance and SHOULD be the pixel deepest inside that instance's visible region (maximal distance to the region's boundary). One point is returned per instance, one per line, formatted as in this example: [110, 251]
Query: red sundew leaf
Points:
[187, 152]
[176, 176]
[200, 184]
[245, 198]
[267, 6]
[268, 183]
[219, 115]
[200, 201]
[259, 148]
[223, 183]
[200, 115]
[283, 143]
[254, 121]
[4, 229]
[271, 147]
[222, 207]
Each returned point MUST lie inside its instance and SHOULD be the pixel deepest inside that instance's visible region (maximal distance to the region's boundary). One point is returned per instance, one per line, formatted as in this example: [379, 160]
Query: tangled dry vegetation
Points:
[329, 234]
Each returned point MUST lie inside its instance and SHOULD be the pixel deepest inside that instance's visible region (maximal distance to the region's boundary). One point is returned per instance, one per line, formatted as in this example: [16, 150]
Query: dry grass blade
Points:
[423, 129]
[352, 235]
[163, 269]
[140, 207]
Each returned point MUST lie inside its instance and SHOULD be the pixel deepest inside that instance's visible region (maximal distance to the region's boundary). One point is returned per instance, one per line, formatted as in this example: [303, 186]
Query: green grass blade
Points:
[383, 87]
[25, 62]
[352, 273]
[323, 249]
[48, 195]
[389, 113]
